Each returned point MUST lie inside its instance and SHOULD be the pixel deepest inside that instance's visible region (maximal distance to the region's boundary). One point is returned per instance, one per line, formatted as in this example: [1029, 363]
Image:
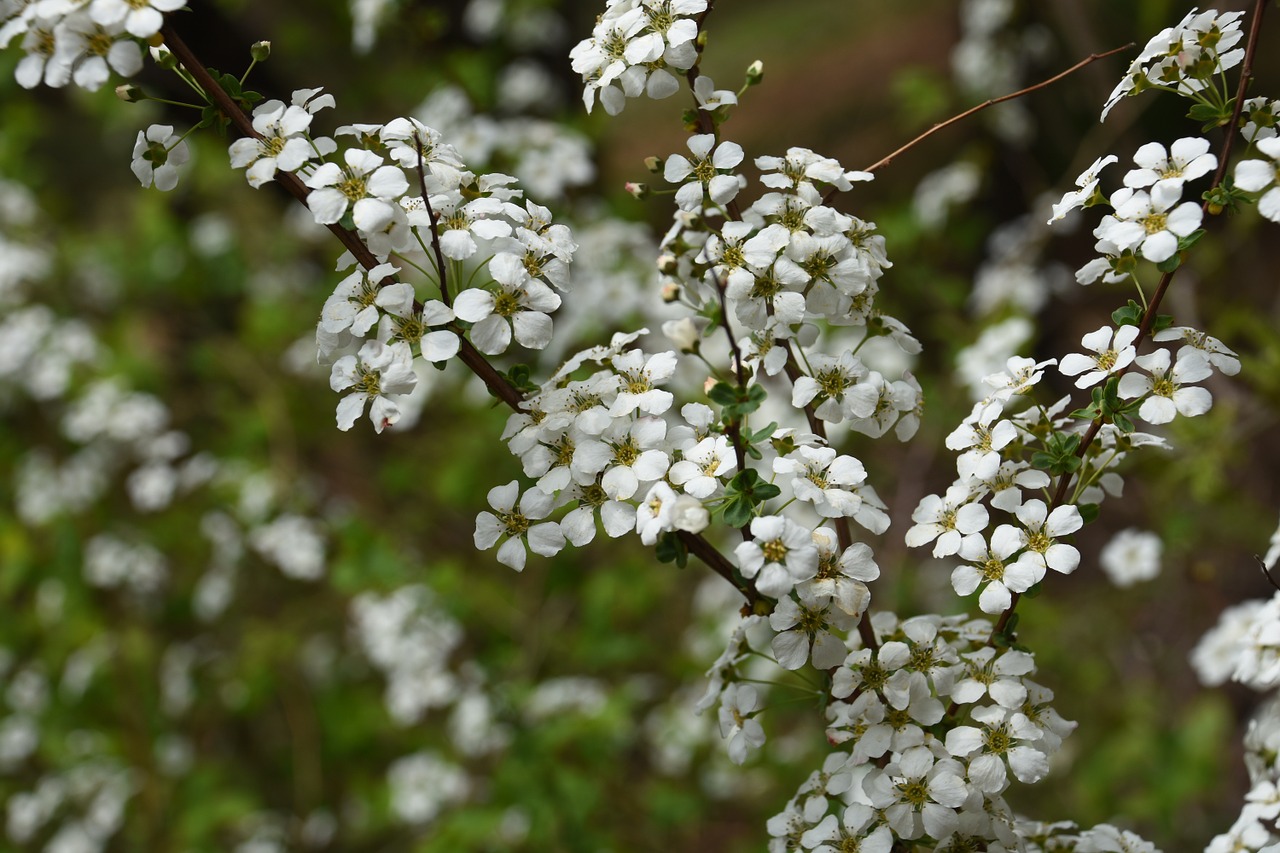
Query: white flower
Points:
[990, 566]
[842, 576]
[985, 674]
[1109, 357]
[1001, 736]
[1131, 556]
[1168, 393]
[781, 554]
[516, 524]
[1218, 353]
[283, 145]
[519, 303]
[90, 48]
[378, 369]
[459, 222]
[738, 704]
[157, 155]
[639, 375]
[947, 520]
[44, 60]
[1186, 160]
[836, 384]
[1018, 378]
[1149, 223]
[1087, 183]
[655, 514]
[707, 170]
[918, 794]
[818, 477]
[1186, 57]
[365, 186]
[354, 304]
[981, 437]
[1256, 175]
[629, 453]
[1040, 529]
[709, 97]
[803, 631]
[141, 18]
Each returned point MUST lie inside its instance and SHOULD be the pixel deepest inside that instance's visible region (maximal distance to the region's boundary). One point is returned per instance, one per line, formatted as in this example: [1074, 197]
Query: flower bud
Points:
[755, 73]
[130, 93]
[164, 57]
[260, 50]
[688, 514]
[670, 291]
[667, 264]
[709, 384]
[653, 164]
[637, 190]
[683, 333]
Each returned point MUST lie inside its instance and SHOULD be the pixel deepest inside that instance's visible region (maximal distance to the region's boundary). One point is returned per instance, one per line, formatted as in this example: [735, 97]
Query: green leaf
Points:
[671, 549]
[1088, 512]
[738, 511]
[723, 393]
[1059, 455]
[1210, 115]
[736, 402]
[746, 491]
[1129, 315]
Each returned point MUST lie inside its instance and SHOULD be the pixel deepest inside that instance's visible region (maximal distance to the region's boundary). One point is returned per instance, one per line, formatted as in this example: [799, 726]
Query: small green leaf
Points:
[723, 393]
[738, 511]
[671, 549]
[1129, 315]
[1088, 512]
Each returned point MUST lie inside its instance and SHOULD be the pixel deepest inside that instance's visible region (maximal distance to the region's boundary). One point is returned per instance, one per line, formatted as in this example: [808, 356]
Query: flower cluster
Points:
[638, 47]
[1186, 58]
[896, 778]
[81, 42]
[457, 222]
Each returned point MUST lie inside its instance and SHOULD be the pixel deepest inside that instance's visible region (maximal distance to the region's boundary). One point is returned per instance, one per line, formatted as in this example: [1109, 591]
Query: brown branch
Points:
[467, 353]
[718, 563]
[349, 239]
[1093, 57]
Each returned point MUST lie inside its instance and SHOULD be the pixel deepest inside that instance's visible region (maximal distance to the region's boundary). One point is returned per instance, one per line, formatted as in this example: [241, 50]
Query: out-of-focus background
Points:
[224, 625]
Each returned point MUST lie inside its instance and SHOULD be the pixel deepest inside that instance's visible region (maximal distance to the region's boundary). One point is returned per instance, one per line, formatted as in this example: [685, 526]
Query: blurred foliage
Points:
[285, 738]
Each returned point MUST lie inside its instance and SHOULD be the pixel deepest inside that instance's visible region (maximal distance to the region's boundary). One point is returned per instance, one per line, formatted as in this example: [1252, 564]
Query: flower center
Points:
[774, 551]
[1155, 223]
[353, 187]
[832, 382]
[506, 303]
[514, 522]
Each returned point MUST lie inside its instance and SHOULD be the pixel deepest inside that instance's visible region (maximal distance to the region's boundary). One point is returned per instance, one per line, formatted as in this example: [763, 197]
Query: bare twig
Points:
[885, 161]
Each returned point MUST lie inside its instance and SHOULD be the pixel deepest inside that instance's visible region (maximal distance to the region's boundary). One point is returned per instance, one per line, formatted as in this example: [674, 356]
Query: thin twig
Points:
[349, 239]
[1093, 57]
[431, 215]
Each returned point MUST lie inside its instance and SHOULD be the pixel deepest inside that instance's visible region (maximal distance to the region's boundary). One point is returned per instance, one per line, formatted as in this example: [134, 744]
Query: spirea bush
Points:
[180, 611]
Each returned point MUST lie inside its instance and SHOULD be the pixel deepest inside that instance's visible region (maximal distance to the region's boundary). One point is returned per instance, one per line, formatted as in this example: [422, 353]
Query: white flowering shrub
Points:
[731, 399]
